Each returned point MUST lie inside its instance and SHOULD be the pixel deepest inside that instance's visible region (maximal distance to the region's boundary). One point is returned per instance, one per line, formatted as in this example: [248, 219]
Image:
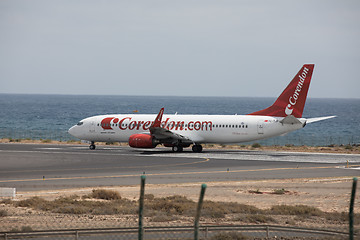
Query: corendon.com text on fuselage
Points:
[127, 123]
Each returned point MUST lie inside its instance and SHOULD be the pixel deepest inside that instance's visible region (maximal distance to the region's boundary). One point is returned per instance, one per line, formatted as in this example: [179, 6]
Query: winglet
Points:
[157, 122]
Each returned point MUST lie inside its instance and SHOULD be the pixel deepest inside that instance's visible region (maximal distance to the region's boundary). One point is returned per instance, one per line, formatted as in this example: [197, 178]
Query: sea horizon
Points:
[49, 116]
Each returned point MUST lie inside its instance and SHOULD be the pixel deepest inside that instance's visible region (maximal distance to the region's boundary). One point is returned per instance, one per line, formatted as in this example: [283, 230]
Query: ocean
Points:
[50, 116]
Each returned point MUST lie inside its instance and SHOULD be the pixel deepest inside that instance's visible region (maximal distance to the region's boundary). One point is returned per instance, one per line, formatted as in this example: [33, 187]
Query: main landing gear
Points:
[92, 146]
[179, 148]
[197, 148]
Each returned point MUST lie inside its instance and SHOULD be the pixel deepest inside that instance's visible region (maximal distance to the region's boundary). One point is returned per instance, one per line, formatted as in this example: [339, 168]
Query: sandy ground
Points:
[329, 195]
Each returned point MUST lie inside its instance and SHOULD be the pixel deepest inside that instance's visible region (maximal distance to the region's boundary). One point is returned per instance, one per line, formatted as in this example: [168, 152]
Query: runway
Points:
[33, 167]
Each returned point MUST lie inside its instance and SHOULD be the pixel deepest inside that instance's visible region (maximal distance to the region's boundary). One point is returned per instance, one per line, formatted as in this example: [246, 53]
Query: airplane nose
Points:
[72, 131]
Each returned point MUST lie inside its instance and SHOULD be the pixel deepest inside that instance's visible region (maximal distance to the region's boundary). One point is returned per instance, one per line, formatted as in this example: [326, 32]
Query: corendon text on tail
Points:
[295, 96]
[181, 131]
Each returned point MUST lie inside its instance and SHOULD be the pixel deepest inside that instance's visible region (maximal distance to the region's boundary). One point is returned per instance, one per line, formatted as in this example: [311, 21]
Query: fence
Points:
[180, 232]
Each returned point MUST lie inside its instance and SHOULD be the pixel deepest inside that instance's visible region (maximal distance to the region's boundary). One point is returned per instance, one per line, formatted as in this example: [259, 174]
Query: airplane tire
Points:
[197, 148]
[177, 148]
[92, 147]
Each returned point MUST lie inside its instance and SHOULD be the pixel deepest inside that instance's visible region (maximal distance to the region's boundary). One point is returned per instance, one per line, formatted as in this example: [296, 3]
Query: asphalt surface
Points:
[33, 167]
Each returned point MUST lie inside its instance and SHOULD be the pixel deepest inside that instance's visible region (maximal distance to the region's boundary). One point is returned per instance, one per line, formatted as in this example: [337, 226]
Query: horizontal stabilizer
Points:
[311, 120]
[290, 120]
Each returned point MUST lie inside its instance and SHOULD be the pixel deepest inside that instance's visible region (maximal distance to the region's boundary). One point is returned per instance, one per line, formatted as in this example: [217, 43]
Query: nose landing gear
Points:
[92, 146]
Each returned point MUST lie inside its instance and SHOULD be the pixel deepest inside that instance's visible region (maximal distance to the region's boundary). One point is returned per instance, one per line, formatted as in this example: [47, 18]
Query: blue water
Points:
[50, 116]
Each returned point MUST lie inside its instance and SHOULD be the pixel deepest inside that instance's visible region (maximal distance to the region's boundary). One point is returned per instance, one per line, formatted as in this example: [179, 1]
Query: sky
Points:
[232, 48]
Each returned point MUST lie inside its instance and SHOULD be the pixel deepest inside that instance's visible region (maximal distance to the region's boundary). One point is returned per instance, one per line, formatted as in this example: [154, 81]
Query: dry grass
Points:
[104, 194]
[165, 209]
[3, 213]
[229, 236]
[299, 210]
[72, 205]
[22, 229]
[255, 218]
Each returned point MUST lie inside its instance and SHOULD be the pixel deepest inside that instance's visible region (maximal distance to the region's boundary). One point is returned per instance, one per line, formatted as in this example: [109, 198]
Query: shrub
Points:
[213, 210]
[26, 229]
[279, 191]
[256, 145]
[302, 210]
[23, 229]
[260, 218]
[149, 197]
[172, 205]
[3, 213]
[6, 201]
[348, 147]
[34, 202]
[162, 217]
[105, 194]
[228, 236]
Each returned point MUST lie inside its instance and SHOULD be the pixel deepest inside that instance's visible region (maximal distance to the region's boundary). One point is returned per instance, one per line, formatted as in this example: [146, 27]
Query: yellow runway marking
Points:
[167, 174]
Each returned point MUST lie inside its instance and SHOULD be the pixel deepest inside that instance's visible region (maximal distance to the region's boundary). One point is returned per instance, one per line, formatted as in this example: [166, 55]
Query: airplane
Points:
[181, 131]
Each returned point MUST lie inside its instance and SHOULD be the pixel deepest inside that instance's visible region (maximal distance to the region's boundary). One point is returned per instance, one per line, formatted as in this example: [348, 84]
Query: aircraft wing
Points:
[163, 134]
[311, 120]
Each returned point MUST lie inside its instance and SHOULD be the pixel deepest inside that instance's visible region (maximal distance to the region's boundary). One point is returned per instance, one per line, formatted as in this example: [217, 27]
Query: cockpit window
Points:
[80, 123]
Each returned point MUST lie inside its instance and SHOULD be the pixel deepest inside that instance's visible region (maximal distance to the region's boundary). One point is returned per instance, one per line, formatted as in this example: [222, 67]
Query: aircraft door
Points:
[260, 127]
[92, 127]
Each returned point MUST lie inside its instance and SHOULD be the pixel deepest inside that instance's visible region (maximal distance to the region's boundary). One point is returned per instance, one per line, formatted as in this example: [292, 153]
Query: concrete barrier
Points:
[8, 192]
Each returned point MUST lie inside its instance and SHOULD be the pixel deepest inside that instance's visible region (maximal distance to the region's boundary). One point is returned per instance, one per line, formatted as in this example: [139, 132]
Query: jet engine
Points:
[142, 141]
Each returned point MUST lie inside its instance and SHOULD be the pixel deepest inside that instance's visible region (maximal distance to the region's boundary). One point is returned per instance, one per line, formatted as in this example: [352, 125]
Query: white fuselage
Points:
[198, 128]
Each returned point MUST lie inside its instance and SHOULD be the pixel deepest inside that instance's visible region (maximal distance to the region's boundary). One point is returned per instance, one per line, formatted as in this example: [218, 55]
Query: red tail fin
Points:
[158, 118]
[292, 99]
